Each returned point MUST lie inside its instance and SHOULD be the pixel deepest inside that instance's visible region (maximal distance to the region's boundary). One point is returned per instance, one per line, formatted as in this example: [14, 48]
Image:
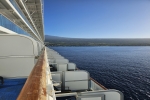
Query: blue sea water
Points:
[125, 68]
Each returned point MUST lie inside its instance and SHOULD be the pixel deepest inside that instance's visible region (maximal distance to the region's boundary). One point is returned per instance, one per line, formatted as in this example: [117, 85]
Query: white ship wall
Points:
[18, 55]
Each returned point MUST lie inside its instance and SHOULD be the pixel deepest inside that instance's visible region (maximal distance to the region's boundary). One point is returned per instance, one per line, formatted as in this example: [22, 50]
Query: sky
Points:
[97, 18]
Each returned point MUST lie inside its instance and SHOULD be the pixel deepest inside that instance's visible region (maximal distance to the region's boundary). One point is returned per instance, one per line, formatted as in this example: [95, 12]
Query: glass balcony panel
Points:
[4, 22]
[13, 2]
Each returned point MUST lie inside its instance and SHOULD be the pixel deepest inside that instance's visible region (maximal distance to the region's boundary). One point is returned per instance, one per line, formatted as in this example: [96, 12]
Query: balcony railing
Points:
[13, 2]
[4, 22]
[35, 86]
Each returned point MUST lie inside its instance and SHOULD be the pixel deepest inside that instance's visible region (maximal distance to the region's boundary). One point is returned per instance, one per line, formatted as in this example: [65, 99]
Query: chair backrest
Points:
[110, 94]
[62, 61]
[72, 80]
[61, 67]
[76, 80]
[57, 76]
[71, 67]
[65, 66]
[91, 97]
[58, 57]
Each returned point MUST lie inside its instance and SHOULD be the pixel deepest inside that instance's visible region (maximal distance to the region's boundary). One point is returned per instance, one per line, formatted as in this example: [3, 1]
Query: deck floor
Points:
[11, 88]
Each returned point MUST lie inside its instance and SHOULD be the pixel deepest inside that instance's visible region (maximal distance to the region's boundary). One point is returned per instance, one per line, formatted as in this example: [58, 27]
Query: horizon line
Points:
[96, 38]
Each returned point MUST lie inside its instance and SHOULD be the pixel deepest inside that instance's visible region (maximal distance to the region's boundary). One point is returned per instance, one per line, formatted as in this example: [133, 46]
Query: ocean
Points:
[125, 68]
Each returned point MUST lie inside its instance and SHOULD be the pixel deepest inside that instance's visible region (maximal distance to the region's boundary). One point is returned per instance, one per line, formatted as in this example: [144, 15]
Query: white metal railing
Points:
[16, 8]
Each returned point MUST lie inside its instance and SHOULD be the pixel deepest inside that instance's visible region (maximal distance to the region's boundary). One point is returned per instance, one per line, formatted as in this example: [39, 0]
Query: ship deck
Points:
[11, 88]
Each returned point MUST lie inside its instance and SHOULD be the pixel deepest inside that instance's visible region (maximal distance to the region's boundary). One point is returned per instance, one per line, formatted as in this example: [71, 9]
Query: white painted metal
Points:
[109, 94]
[95, 86]
[100, 97]
[49, 82]
[76, 80]
[3, 29]
[61, 67]
[57, 76]
[61, 61]
[17, 55]
[79, 81]
[76, 85]
[76, 75]
[26, 9]
[71, 66]
[67, 94]
[15, 67]
[17, 45]
[14, 9]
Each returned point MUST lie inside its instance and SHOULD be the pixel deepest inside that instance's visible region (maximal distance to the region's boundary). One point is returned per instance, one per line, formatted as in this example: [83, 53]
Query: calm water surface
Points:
[124, 68]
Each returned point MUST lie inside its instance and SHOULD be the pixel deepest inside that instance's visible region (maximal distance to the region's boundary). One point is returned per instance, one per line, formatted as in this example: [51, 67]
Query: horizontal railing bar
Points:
[35, 86]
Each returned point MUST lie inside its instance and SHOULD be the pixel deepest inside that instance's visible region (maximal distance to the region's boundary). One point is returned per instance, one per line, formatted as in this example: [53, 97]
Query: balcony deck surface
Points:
[11, 88]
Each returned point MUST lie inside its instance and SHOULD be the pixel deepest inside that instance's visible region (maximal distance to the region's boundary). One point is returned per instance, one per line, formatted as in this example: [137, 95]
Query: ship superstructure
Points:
[31, 71]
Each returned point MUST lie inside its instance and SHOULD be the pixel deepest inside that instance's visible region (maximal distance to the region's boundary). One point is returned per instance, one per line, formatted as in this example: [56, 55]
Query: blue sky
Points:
[97, 18]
